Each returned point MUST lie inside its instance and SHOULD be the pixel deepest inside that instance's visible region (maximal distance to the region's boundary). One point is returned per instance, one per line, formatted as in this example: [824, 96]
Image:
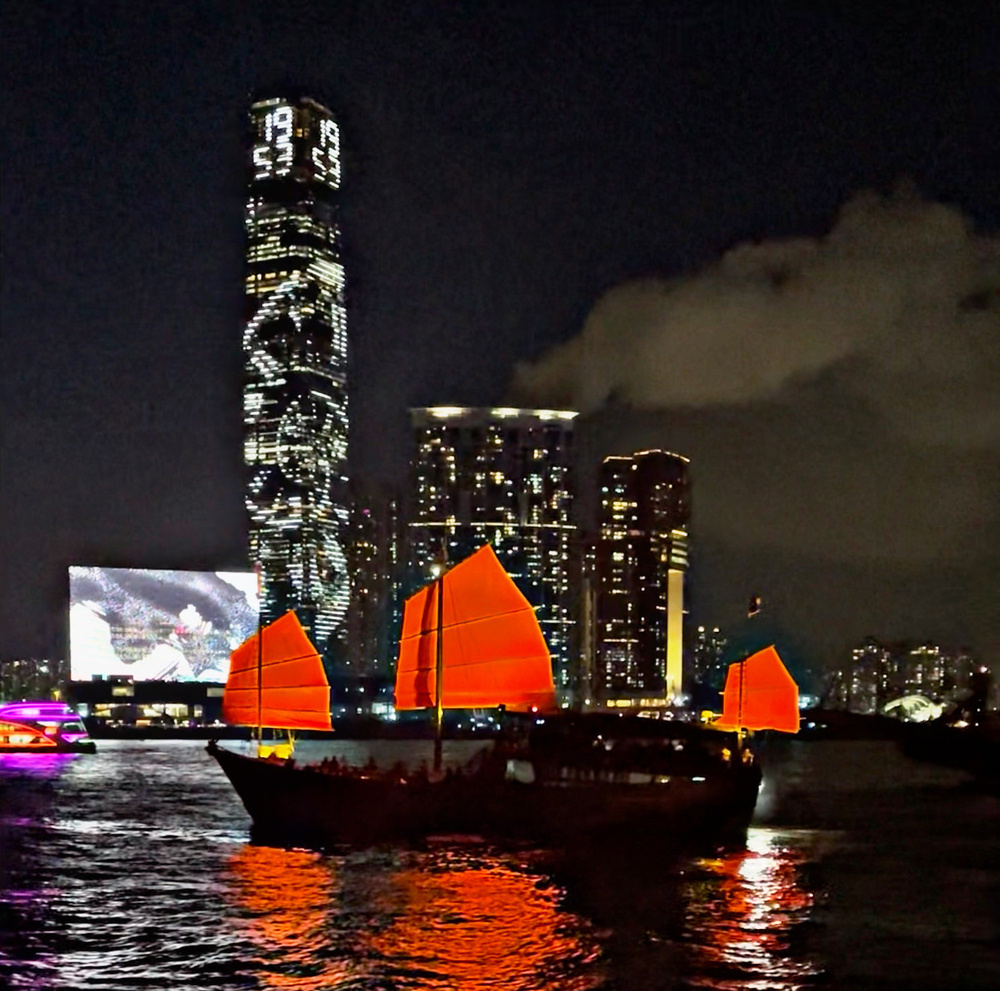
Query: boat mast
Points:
[438, 676]
[260, 652]
[739, 717]
[439, 662]
[260, 667]
[753, 610]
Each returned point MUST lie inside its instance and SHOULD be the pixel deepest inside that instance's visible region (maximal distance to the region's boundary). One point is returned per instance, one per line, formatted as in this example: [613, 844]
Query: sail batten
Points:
[493, 649]
[760, 694]
[467, 622]
[293, 693]
[270, 662]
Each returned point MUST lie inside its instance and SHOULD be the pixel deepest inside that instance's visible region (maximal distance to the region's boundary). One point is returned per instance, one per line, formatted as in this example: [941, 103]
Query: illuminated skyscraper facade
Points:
[707, 653]
[501, 476]
[295, 352]
[641, 562]
[374, 618]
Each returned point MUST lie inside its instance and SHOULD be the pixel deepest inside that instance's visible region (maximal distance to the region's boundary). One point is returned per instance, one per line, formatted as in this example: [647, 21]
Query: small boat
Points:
[470, 639]
[42, 728]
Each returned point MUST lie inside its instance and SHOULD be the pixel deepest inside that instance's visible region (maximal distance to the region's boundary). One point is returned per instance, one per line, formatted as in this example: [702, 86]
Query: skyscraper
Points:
[375, 615]
[295, 354]
[707, 653]
[501, 476]
[641, 560]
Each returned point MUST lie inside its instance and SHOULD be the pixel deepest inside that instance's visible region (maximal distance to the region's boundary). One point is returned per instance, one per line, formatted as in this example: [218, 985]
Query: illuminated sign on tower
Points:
[295, 354]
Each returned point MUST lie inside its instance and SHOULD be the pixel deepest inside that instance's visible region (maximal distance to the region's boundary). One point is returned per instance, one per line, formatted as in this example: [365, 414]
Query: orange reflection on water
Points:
[484, 925]
[740, 917]
[284, 897]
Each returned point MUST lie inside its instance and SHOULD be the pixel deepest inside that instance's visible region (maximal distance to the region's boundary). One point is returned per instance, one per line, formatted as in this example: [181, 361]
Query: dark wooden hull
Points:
[290, 804]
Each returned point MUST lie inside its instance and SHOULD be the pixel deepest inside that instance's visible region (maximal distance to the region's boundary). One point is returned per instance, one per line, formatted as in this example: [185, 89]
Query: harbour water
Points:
[132, 869]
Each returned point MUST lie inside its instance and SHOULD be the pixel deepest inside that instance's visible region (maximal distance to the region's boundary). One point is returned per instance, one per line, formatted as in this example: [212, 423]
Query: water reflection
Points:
[27, 799]
[448, 918]
[743, 913]
[284, 899]
[472, 918]
[477, 923]
[128, 869]
[34, 765]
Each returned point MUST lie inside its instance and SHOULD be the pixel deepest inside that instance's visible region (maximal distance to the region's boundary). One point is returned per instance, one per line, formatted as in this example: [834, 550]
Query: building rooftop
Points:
[491, 412]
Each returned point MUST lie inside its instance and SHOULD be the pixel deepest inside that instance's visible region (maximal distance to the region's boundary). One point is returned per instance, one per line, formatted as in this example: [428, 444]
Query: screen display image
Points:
[158, 625]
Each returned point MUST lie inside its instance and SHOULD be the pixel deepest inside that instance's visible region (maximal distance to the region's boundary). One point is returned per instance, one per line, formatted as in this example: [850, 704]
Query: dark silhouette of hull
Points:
[304, 805]
[975, 750]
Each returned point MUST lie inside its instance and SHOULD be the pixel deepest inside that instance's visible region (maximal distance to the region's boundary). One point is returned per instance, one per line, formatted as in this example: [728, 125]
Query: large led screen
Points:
[158, 625]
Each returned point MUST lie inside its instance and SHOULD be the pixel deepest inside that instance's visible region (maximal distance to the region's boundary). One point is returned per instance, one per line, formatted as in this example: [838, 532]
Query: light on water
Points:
[473, 921]
[281, 901]
[743, 911]
[445, 918]
[132, 869]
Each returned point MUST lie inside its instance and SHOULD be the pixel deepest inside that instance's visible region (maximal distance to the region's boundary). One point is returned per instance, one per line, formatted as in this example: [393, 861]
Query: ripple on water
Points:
[745, 910]
[131, 869]
[135, 873]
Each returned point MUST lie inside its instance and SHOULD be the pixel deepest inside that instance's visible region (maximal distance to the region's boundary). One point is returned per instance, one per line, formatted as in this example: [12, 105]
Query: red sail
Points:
[295, 692]
[767, 699]
[494, 651]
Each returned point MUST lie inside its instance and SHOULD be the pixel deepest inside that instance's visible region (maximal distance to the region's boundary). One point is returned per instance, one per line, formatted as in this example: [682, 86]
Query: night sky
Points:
[794, 208]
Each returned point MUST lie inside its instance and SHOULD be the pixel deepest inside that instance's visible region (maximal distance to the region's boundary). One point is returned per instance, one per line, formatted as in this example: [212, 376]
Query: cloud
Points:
[839, 399]
[901, 300]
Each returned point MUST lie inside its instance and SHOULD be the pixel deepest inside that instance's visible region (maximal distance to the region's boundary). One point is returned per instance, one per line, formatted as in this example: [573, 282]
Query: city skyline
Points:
[506, 172]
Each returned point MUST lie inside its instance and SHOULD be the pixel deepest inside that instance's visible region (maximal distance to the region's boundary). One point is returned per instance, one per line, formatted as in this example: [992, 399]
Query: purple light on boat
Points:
[74, 737]
[37, 710]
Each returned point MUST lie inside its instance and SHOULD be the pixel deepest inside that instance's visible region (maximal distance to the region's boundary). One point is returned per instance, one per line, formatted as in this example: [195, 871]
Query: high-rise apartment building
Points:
[295, 353]
[375, 616]
[875, 676]
[708, 649]
[641, 561]
[501, 476]
[32, 678]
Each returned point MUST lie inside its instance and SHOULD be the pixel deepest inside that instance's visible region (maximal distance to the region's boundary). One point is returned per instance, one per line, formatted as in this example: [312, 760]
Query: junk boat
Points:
[42, 727]
[470, 639]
